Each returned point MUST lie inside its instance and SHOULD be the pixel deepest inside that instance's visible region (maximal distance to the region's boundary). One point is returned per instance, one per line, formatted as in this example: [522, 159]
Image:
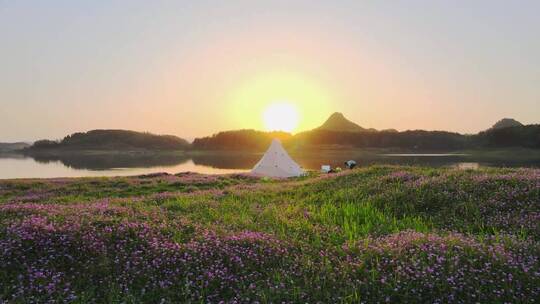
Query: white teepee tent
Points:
[277, 163]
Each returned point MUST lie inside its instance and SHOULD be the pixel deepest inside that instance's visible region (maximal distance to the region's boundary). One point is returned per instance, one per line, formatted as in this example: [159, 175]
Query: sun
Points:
[280, 116]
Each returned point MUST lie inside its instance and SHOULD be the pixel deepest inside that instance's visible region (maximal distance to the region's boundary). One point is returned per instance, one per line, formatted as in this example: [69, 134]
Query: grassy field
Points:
[376, 234]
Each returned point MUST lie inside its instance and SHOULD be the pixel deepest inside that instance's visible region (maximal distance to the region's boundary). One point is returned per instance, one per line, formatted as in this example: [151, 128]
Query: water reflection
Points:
[227, 160]
[113, 161]
[72, 164]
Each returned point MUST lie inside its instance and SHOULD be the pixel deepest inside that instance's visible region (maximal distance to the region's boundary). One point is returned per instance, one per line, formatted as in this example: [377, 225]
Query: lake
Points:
[77, 165]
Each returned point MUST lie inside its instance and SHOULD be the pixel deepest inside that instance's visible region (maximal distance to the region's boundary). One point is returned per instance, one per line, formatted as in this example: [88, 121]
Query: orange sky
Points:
[192, 70]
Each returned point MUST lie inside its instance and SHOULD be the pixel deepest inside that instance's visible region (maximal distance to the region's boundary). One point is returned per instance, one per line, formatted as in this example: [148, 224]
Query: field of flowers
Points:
[380, 234]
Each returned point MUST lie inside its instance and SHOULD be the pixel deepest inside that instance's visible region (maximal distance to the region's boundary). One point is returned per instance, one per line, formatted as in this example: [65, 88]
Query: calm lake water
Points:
[19, 166]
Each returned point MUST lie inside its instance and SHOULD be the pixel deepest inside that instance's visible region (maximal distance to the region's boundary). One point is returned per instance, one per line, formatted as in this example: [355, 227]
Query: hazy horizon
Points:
[192, 69]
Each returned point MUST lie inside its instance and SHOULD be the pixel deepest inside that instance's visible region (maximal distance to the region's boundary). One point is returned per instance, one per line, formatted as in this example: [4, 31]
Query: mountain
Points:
[336, 131]
[339, 131]
[506, 123]
[338, 122]
[10, 147]
[118, 140]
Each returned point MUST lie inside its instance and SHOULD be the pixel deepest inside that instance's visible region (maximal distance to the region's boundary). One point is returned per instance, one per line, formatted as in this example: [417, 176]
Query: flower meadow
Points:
[380, 234]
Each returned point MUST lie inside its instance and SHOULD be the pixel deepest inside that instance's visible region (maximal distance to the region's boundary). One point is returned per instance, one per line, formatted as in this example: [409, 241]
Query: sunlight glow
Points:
[281, 116]
[299, 94]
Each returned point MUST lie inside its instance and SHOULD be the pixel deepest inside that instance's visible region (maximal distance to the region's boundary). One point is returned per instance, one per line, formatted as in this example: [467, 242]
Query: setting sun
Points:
[280, 117]
[282, 100]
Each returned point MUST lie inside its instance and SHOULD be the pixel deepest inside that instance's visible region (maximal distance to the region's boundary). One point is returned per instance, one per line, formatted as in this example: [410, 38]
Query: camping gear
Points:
[329, 169]
[326, 169]
[277, 163]
[350, 164]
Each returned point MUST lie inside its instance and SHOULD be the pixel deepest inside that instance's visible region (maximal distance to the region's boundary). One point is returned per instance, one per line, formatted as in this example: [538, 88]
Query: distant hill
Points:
[248, 140]
[338, 122]
[506, 123]
[113, 140]
[11, 147]
[336, 131]
[513, 136]
[339, 131]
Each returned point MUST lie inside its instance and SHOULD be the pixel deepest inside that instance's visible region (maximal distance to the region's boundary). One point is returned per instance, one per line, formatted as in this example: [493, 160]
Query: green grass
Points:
[324, 219]
[346, 207]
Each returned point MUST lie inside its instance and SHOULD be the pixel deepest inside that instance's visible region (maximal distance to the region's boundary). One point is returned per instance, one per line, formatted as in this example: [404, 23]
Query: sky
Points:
[193, 68]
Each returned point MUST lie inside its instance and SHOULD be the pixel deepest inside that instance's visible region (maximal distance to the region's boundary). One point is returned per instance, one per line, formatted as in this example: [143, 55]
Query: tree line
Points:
[252, 140]
[519, 136]
[113, 140]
